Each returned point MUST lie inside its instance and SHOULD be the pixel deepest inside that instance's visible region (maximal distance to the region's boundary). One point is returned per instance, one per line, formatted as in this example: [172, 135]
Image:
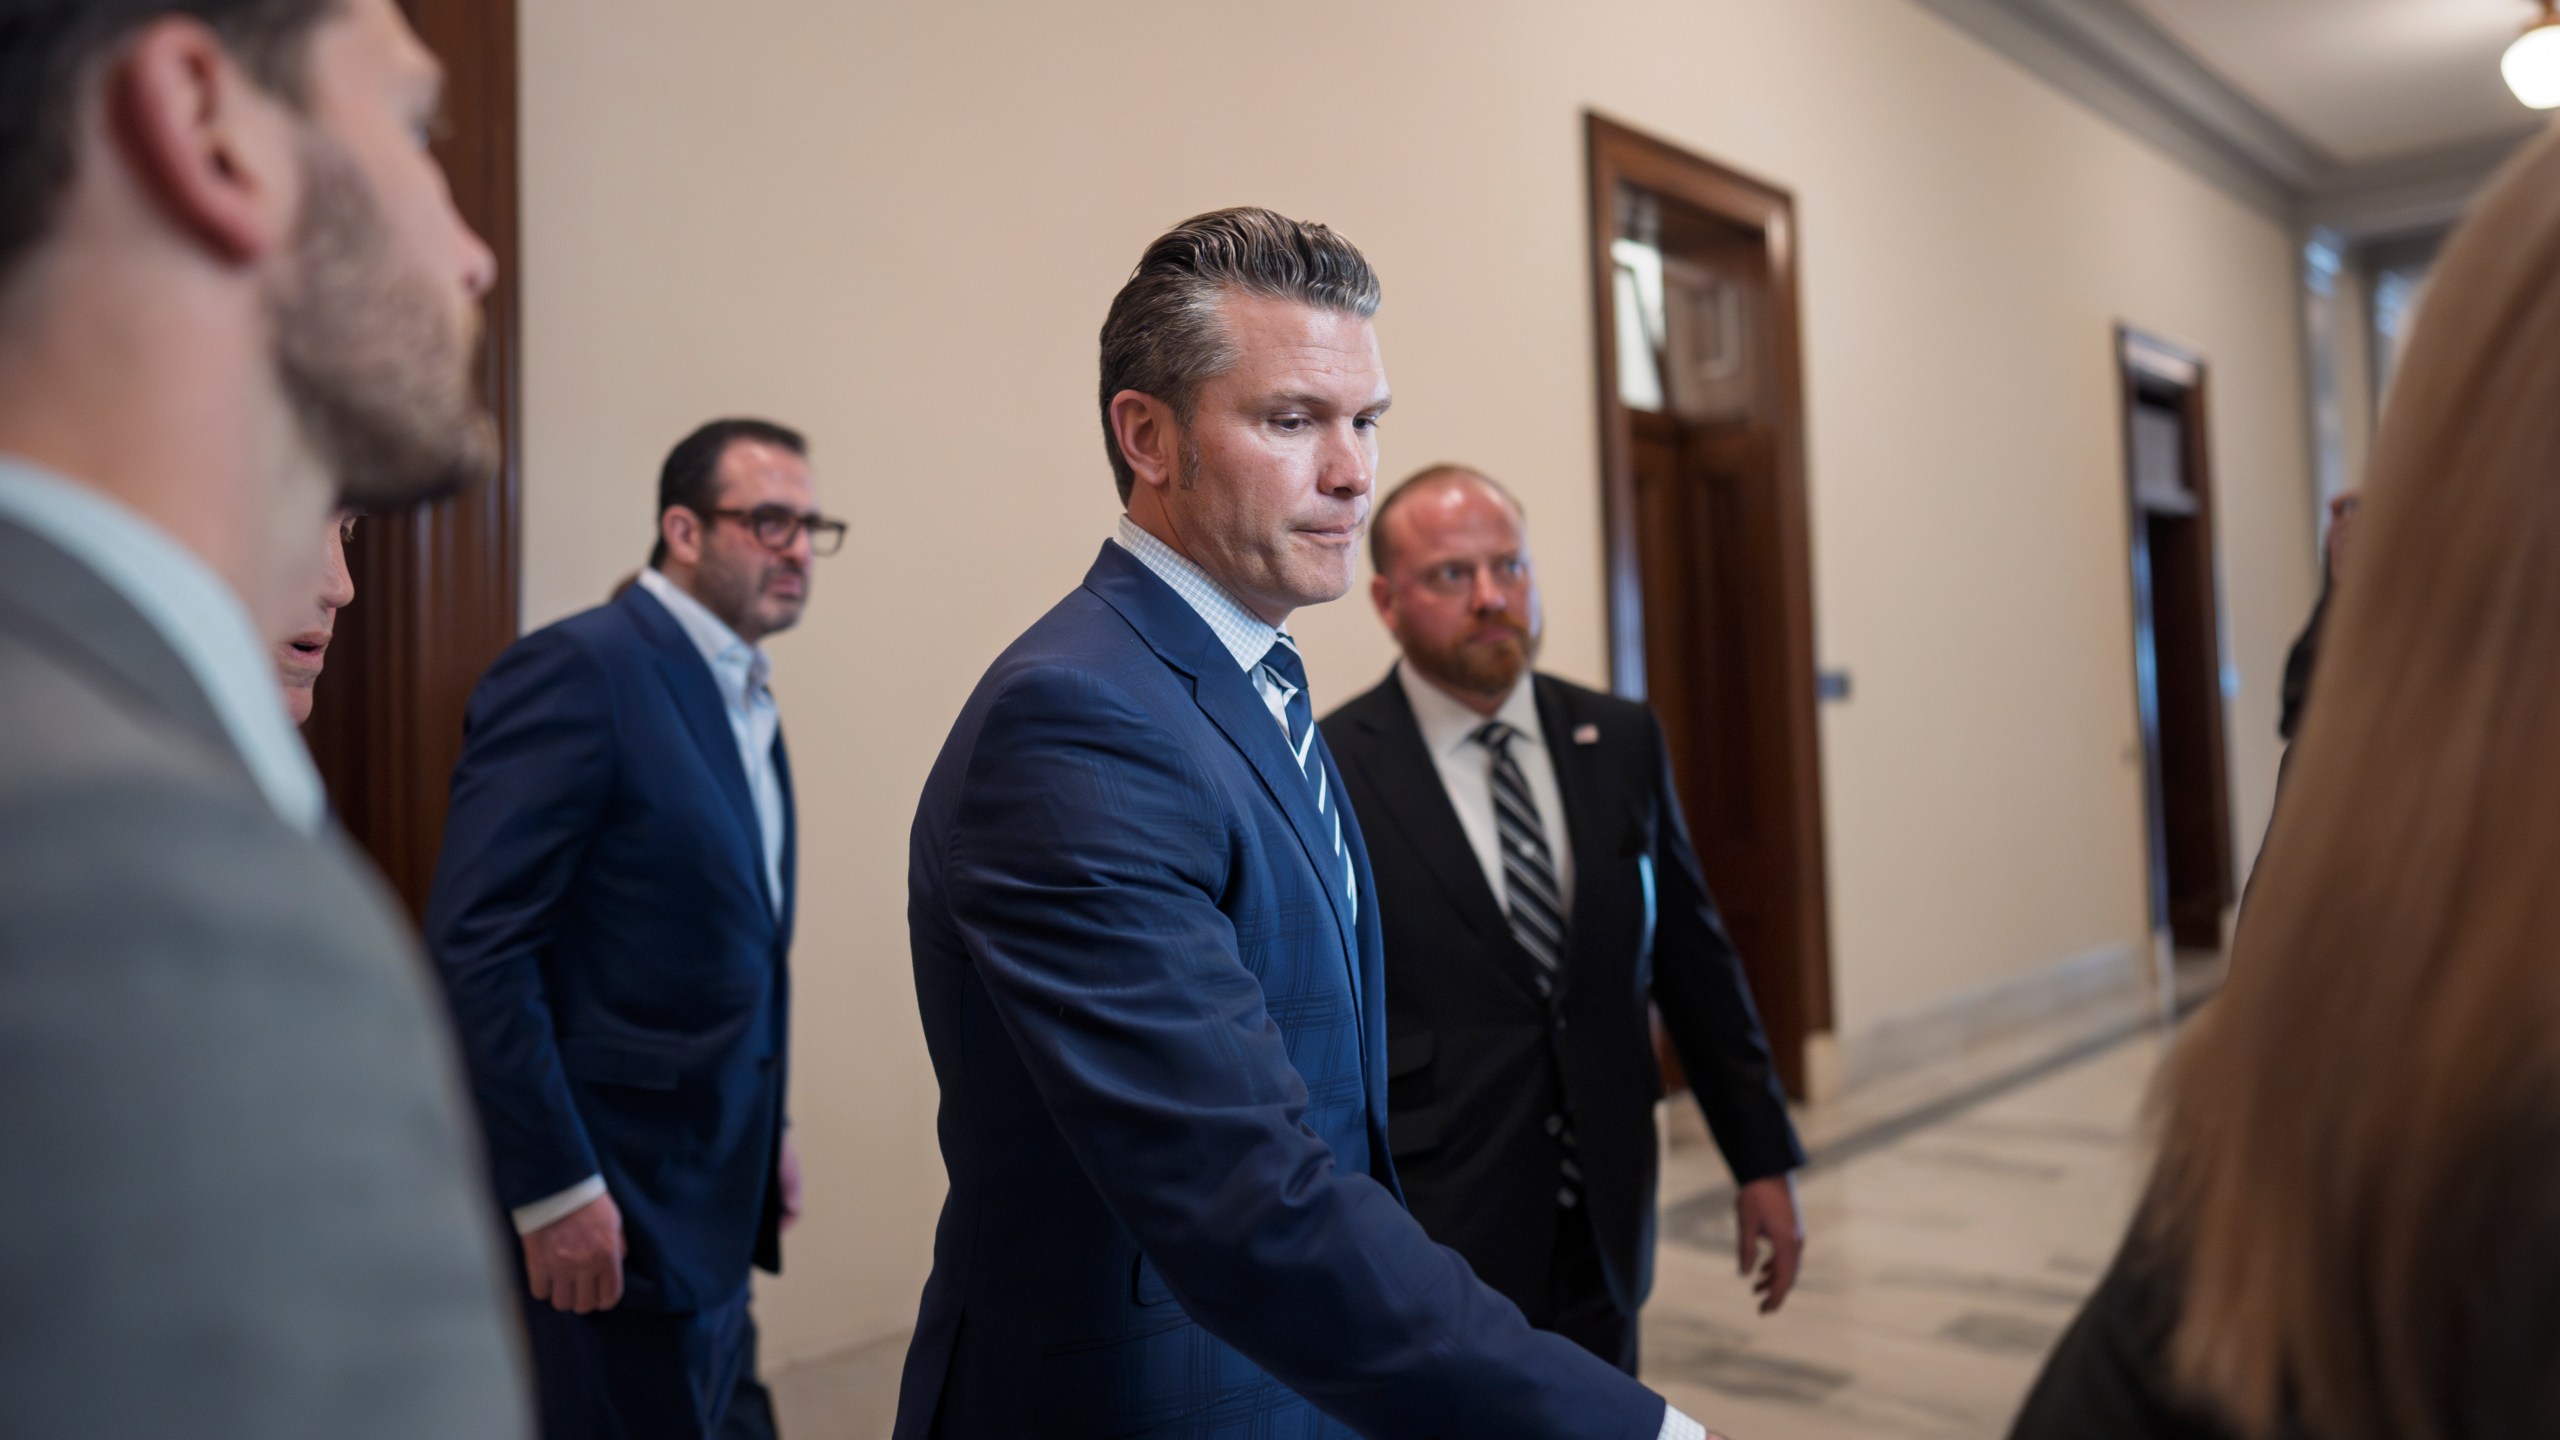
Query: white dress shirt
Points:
[1466, 772]
[739, 671]
[191, 608]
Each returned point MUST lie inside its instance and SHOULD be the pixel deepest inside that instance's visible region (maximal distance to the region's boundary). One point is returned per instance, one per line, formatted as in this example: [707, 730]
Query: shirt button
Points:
[1555, 1124]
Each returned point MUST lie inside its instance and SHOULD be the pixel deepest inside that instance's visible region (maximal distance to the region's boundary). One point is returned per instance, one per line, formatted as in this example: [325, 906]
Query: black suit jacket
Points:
[1477, 1063]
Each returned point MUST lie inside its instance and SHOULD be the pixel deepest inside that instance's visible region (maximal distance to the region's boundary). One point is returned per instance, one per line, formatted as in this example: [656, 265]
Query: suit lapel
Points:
[1370, 956]
[1417, 807]
[790, 836]
[1236, 708]
[1177, 633]
[688, 679]
[1579, 778]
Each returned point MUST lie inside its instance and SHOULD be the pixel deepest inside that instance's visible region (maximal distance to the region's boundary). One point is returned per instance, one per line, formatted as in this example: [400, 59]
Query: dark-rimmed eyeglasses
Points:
[775, 528]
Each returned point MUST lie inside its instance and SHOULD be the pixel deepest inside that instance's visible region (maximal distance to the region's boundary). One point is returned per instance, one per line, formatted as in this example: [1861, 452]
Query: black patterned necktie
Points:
[1535, 904]
[1285, 670]
[1530, 894]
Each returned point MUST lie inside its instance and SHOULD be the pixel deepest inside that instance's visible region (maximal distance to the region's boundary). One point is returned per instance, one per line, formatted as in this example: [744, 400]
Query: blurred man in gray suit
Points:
[239, 1198]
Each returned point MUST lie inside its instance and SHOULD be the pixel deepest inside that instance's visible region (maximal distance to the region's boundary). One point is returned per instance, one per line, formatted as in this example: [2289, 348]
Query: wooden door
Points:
[1709, 563]
[2177, 641]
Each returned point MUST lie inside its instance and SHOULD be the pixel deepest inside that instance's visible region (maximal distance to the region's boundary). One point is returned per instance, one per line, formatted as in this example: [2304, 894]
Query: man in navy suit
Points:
[611, 920]
[1147, 951]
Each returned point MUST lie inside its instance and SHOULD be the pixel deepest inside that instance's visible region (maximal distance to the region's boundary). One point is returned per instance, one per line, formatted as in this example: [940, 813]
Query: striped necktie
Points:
[1530, 893]
[1286, 671]
[1536, 907]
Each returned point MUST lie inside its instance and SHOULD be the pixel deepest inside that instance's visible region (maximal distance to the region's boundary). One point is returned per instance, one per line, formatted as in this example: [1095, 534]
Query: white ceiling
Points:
[2362, 80]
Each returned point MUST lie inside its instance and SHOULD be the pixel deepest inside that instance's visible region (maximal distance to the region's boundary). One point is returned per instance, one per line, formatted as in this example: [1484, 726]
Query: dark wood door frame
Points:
[437, 588]
[1620, 156]
[2157, 373]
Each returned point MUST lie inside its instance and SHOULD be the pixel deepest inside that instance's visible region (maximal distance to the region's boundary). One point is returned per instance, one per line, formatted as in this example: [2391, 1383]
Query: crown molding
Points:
[2406, 194]
[2112, 58]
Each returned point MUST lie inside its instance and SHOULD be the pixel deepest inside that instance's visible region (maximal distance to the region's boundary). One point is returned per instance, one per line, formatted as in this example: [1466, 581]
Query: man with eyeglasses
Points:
[612, 919]
[1537, 886]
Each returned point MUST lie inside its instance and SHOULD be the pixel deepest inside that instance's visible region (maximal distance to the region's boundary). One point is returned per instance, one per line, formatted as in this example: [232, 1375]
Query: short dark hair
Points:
[1164, 335]
[48, 49]
[691, 476]
[1379, 551]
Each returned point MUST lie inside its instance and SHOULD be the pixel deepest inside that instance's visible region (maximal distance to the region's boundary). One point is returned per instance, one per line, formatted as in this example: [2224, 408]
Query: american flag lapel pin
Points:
[1586, 734]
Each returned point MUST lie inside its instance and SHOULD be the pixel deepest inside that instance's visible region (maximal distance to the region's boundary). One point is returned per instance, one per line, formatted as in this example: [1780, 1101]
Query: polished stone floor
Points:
[1956, 1220]
[1945, 1257]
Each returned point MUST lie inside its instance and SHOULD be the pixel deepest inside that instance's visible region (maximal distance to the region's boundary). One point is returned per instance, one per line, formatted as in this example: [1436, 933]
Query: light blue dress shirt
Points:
[740, 672]
[191, 608]
[1247, 636]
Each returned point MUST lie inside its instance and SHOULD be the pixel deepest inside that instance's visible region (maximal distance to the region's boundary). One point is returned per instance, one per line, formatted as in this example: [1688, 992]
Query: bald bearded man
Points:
[1533, 869]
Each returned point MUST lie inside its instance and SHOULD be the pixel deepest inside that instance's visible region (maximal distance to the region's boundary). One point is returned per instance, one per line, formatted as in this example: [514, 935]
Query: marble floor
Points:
[1944, 1259]
[1956, 1220]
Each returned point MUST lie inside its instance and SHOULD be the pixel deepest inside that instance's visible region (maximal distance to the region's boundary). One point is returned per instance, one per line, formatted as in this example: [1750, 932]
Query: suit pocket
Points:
[1414, 1124]
[1412, 1133]
[603, 1062]
[1407, 1054]
[1409, 1070]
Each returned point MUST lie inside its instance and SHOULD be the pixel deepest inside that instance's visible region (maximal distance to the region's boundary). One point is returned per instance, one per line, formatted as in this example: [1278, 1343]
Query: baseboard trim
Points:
[849, 1393]
[2111, 984]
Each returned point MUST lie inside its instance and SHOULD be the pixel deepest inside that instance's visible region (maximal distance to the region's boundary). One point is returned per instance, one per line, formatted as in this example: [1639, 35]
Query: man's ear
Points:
[682, 530]
[1379, 593]
[212, 146]
[1149, 439]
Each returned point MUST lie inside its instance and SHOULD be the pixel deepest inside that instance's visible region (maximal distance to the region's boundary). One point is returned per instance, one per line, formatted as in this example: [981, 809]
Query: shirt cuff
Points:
[1676, 1426]
[530, 1218]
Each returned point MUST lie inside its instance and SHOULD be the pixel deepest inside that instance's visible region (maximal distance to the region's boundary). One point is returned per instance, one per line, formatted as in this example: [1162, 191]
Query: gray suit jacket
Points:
[238, 1199]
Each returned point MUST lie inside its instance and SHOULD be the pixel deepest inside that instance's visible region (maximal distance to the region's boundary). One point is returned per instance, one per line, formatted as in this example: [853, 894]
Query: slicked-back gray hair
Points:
[1164, 335]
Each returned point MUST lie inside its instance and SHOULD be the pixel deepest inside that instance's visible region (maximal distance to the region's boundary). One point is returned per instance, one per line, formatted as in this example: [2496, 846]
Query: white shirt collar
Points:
[191, 608]
[721, 646]
[1448, 724]
[1247, 636]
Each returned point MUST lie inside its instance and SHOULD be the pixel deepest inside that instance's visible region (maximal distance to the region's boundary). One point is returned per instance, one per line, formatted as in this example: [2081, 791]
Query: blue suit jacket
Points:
[1163, 1108]
[602, 923]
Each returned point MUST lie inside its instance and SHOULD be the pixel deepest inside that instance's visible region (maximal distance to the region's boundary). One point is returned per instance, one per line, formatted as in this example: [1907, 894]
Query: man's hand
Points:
[575, 1262]
[1766, 1210]
[786, 1173]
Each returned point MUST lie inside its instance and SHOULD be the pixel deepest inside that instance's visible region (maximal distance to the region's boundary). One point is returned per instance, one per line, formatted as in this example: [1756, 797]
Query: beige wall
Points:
[898, 226]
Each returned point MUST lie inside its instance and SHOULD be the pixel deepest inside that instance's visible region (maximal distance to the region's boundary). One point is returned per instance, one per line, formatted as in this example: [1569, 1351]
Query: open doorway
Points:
[1708, 551]
[2177, 639]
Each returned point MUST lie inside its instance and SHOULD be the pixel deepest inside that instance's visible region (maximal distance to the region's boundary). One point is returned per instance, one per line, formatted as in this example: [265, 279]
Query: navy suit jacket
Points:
[1158, 1023]
[604, 929]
